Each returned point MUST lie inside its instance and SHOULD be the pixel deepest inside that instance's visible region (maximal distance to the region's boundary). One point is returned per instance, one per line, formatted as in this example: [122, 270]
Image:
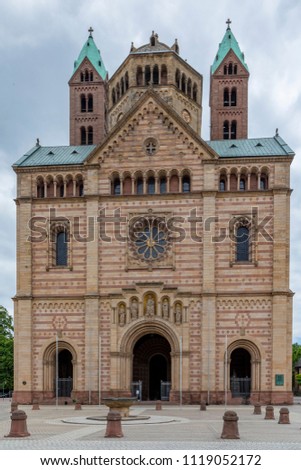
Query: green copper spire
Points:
[229, 42]
[90, 51]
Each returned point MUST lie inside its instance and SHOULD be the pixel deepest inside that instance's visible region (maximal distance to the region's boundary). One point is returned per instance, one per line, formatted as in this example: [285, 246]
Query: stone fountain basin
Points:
[120, 404]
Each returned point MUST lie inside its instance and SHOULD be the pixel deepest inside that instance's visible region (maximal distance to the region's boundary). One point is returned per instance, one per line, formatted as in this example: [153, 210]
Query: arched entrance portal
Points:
[240, 373]
[59, 369]
[152, 365]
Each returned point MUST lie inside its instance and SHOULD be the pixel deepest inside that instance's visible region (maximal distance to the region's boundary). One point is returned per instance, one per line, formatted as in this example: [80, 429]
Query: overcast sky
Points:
[40, 39]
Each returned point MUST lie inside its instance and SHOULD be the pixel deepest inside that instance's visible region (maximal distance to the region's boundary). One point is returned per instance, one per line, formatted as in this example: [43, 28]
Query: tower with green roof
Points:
[229, 77]
[88, 96]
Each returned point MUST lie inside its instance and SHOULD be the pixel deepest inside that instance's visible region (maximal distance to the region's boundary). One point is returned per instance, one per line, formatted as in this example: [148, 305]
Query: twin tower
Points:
[98, 103]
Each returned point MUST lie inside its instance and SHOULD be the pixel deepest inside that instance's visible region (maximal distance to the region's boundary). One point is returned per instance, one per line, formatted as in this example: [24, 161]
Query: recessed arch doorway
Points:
[151, 364]
[240, 373]
[59, 369]
[65, 373]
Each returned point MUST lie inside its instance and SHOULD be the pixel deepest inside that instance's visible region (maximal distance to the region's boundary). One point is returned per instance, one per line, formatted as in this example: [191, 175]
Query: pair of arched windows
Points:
[229, 130]
[86, 103]
[86, 135]
[230, 97]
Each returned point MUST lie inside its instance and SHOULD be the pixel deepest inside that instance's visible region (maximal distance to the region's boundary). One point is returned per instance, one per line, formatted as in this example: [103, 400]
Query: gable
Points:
[231, 57]
[151, 123]
[86, 64]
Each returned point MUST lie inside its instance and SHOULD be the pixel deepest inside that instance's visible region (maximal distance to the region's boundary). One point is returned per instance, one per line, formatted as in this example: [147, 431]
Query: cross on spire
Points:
[90, 30]
[228, 22]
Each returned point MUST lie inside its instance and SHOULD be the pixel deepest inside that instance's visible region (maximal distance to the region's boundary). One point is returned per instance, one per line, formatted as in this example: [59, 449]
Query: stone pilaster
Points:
[92, 341]
[282, 305]
[208, 323]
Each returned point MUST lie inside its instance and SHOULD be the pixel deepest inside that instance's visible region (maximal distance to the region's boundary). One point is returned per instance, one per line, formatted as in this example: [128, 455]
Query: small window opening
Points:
[242, 244]
[186, 184]
[61, 249]
[233, 129]
[151, 185]
[226, 130]
[222, 185]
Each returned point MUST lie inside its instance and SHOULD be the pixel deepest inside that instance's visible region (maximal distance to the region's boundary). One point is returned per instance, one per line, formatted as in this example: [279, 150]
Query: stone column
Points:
[238, 181]
[258, 180]
[248, 181]
[228, 181]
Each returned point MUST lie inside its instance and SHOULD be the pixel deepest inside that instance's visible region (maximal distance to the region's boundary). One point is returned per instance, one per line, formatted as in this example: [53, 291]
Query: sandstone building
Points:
[150, 261]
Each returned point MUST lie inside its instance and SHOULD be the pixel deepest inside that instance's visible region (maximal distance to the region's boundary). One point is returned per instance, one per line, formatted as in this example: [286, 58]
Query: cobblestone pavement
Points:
[173, 427]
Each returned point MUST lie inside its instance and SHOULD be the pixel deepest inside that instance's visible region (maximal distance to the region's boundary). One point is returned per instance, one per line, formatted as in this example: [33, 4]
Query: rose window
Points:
[150, 238]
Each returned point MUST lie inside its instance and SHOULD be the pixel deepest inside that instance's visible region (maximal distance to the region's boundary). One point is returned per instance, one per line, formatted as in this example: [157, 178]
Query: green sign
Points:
[279, 379]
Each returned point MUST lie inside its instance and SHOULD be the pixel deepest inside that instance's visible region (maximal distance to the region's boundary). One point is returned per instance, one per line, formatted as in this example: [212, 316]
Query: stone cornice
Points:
[222, 161]
[52, 168]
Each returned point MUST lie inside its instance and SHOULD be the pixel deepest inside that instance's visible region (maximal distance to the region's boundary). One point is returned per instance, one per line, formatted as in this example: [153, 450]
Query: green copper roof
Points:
[90, 51]
[263, 147]
[75, 155]
[49, 156]
[229, 42]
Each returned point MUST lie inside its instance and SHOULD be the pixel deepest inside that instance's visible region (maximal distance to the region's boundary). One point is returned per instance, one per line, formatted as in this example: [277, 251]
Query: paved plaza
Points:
[172, 427]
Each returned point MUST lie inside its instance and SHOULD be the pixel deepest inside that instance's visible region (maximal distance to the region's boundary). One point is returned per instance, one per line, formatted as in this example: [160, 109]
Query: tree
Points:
[296, 353]
[6, 351]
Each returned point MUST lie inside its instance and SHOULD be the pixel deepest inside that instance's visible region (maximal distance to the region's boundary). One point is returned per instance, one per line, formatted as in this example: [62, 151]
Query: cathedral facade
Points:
[150, 262]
